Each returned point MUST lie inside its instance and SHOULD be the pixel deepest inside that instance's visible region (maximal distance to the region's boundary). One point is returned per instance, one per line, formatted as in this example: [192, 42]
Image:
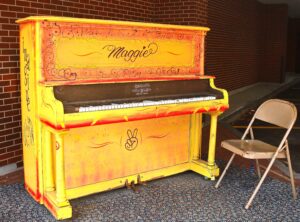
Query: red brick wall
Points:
[293, 43]
[11, 10]
[186, 12]
[233, 44]
[246, 42]
[274, 45]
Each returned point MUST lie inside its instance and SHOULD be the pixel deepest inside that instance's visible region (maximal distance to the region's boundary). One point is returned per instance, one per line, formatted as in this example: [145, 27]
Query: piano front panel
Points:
[102, 153]
[119, 52]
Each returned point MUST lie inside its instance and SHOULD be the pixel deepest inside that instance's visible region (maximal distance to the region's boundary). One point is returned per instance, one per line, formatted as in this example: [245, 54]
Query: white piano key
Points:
[144, 103]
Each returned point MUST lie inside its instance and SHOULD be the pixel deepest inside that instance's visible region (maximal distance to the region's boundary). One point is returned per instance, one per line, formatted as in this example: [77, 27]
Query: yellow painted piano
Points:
[107, 104]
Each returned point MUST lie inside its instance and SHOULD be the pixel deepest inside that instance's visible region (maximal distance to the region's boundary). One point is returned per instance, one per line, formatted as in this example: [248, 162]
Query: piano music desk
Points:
[108, 104]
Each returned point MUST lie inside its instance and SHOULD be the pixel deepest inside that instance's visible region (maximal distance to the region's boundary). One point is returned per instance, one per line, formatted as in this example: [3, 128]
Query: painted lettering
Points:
[130, 55]
[26, 76]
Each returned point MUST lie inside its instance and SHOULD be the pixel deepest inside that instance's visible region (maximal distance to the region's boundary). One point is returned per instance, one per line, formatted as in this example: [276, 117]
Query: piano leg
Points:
[60, 170]
[55, 198]
[212, 143]
[196, 135]
[206, 168]
[48, 160]
[212, 139]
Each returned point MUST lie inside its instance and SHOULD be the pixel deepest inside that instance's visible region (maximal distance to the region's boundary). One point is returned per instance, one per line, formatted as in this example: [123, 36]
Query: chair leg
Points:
[258, 169]
[291, 173]
[261, 181]
[224, 171]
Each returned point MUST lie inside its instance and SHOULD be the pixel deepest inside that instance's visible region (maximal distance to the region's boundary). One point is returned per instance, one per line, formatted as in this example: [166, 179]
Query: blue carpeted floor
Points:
[184, 197]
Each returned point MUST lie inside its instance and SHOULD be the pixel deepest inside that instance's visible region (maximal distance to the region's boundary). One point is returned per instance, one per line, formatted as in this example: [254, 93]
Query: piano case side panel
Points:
[30, 136]
[103, 153]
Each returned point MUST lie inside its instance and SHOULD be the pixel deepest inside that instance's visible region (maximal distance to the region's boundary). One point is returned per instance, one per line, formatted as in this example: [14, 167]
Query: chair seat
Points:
[252, 149]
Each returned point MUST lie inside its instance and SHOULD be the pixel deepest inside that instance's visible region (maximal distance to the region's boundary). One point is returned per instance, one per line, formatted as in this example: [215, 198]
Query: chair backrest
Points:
[277, 112]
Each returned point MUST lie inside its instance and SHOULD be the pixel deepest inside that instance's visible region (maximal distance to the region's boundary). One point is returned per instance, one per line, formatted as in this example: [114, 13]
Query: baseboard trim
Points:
[8, 169]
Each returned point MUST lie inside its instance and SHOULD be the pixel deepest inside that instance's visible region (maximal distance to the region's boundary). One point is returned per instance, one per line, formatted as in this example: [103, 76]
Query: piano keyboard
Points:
[144, 103]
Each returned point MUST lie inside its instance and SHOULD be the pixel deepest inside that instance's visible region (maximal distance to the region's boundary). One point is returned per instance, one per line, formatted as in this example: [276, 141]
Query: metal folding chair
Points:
[274, 111]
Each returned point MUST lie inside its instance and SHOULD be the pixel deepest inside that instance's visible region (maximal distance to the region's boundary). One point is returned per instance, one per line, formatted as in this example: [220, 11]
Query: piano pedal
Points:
[127, 185]
[140, 182]
[131, 186]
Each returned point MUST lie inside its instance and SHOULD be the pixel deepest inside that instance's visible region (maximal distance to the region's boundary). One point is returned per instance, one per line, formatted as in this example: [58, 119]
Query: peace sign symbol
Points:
[132, 141]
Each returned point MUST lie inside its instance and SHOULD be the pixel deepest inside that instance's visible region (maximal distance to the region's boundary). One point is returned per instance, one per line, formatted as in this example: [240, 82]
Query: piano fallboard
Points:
[76, 97]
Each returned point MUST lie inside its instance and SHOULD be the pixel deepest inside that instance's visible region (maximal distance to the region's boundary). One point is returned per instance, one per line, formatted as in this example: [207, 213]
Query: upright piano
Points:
[107, 104]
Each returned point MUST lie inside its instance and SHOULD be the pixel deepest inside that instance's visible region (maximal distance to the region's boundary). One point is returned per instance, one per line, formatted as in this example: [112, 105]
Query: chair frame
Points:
[282, 146]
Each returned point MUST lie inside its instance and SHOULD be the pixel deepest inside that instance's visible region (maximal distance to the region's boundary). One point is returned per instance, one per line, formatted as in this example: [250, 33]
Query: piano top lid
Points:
[113, 22]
